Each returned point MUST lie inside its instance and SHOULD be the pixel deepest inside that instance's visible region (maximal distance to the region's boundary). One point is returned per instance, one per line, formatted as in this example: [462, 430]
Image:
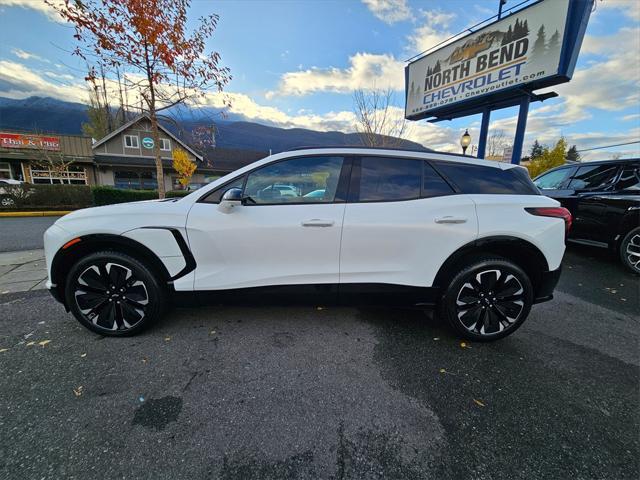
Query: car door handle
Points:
[450, 219]
[317, 222]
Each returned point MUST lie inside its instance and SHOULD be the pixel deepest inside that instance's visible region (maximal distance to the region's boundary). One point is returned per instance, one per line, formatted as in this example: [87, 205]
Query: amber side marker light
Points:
[71, 242]
[556, 212]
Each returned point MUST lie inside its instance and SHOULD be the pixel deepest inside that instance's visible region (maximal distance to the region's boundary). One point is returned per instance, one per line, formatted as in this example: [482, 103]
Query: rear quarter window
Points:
[474, 179]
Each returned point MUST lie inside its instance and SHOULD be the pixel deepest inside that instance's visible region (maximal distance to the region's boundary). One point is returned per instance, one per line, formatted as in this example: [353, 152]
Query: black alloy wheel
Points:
[630, 250]
[488, 299]
[113, 294]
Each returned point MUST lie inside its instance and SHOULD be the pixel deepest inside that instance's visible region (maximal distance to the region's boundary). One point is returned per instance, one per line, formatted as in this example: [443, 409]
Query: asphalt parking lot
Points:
[273, 393]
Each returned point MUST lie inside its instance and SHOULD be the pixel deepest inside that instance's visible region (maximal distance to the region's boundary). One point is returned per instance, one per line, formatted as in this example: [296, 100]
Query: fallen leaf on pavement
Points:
[478, 402]
[319, 308]
[83, 355]
[77, 391]
[442, 370]
[212, 332]
[166, 339]
[436, 338]
[44, 342]
[463, 344]
[145, 360]
[30, 343]
[4, 350]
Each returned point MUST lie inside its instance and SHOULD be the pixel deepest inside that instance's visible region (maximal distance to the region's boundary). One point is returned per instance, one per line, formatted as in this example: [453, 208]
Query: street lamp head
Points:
[465, 141]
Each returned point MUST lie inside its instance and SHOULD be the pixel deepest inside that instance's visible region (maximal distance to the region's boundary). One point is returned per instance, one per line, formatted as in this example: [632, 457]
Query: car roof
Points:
[599, 162]
[392, 152]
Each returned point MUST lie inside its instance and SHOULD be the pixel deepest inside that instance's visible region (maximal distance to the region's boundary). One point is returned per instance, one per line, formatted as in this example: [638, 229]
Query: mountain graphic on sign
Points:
[472, 47]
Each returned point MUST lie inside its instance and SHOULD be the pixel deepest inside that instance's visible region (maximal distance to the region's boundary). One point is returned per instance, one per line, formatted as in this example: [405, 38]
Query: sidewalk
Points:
[22, 271]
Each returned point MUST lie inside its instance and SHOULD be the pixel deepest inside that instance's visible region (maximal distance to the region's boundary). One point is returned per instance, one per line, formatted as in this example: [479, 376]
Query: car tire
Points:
[630, 250]
[114, 294]
[6, 201]
[487, 299]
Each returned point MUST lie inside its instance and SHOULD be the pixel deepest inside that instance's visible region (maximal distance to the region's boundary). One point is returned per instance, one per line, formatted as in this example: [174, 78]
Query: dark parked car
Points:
[604, 199]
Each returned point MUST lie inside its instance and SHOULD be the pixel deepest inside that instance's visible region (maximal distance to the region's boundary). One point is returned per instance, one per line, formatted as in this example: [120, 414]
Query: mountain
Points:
[42, 114]
[56, 116]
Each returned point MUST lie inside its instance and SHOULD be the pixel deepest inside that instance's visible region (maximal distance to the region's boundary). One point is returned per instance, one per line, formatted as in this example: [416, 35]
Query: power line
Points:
[609, 146]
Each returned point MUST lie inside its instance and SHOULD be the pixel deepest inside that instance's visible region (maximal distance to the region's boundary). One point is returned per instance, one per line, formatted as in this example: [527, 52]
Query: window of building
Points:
[389, 179]
[72, 175]
[594, 177]
[131, 141]
[135, 179]
[299, 180]
[5, 170]
[165, 144]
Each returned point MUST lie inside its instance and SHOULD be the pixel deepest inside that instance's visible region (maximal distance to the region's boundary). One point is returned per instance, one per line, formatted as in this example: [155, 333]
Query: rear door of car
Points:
[592, 185]
[402, 221]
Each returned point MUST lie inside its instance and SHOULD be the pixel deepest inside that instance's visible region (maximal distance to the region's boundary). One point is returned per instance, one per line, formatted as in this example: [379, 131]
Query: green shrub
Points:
[177, 193]
[111, 195]
[28, 196]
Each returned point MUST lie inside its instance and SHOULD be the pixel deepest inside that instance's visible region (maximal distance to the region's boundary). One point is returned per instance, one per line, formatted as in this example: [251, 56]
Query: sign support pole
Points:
[484, 131]
[520, 130]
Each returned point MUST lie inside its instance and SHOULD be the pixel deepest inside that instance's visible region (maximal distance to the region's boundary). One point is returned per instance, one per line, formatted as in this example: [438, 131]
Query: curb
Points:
[52, 213]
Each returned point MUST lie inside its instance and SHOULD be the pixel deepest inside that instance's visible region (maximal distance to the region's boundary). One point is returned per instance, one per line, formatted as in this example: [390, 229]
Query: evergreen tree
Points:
[507, 36]
[573, 154]
[525, 29]
[537, 150]
[539, 47]
[554, 41]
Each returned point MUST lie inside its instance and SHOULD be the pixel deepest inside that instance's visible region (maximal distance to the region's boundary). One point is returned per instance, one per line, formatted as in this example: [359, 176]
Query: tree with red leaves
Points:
[148, 39]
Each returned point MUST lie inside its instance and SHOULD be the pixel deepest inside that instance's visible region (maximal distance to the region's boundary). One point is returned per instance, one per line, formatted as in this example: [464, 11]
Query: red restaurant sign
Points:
[17, 140]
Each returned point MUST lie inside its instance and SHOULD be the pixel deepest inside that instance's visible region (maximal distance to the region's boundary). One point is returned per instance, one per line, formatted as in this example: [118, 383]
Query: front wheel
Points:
[630, 250]
[487, 299]
[114, 294]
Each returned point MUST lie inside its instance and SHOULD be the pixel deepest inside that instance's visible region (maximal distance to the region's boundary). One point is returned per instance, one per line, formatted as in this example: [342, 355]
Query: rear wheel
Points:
[487, 299]
[630, 250]
[114, 294]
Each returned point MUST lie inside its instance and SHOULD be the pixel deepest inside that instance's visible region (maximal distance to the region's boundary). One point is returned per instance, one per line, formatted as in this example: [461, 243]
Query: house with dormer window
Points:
[125, 158]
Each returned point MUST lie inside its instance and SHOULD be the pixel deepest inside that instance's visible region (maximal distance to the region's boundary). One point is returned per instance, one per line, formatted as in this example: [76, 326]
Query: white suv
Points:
[392, 227]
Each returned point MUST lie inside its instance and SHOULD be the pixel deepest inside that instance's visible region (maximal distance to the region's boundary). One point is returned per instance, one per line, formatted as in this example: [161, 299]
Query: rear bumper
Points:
[548, 282]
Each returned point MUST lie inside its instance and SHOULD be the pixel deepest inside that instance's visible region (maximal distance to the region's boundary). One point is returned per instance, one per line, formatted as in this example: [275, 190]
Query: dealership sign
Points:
[16, 140]
[532, 48]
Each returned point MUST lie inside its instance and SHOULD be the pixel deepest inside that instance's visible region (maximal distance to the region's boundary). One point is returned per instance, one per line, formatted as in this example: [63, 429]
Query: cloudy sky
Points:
[295, 63]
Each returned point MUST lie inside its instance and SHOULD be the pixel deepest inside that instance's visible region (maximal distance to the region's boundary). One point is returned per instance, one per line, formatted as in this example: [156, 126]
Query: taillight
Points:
[556, 212]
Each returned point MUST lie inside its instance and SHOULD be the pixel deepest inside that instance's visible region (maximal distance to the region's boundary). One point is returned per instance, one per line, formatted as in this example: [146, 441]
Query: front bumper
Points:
[547, 285]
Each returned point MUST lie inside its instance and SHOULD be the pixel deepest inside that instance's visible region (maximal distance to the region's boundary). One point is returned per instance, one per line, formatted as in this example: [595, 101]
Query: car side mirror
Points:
[231, 199]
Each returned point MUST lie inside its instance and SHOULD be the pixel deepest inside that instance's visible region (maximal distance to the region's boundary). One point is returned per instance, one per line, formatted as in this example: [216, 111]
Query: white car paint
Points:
[400, 243]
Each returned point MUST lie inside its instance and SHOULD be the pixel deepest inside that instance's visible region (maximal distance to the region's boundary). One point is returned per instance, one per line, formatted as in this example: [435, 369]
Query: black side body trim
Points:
[189, 260]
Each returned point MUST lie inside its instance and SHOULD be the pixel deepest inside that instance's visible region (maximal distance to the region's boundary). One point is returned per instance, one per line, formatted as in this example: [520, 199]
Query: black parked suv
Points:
[604, 199]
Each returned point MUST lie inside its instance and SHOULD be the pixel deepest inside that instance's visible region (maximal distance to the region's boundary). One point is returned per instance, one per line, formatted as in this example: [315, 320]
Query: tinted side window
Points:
[298, 180]
[216, 195]
[389, 179]
[489, 180]
[630, 179]
[433, 185]
[593, 177]
[553, 180]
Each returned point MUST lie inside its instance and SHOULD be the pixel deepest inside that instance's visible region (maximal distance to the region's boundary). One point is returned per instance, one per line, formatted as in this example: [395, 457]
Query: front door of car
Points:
[401, 223]
[285, 232]
[591, 186]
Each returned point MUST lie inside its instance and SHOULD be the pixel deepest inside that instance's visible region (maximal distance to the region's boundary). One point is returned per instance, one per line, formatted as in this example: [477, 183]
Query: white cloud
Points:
[633, 116]
[365, 71]
[608, 44]
[37, 5]
[24, 55]
[389, 11]
[630, 8]
[432, 30]
[23, 82]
